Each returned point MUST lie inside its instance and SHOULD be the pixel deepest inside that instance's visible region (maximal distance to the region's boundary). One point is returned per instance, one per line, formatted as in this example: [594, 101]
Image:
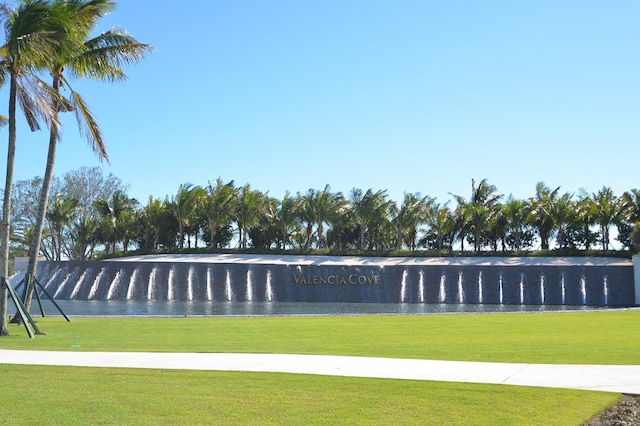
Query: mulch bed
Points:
[625, 413]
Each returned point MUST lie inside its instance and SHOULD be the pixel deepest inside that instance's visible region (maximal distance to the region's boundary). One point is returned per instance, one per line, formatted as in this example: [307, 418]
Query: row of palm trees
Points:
[54, 37]
[221, 215]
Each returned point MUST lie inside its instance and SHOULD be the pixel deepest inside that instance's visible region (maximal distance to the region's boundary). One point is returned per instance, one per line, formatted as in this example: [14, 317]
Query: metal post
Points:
[20, 308]
[52, 301]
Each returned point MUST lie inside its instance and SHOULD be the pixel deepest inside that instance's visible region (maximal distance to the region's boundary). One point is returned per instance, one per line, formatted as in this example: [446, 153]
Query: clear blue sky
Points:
[408, 96]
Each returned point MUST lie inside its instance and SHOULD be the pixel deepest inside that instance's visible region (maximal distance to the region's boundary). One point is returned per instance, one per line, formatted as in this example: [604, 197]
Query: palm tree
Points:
[219, 204]
[60, 214]
[248, 209]
[441, 222]
[307, 213]
[542, 216]
[608, 210]
[33, 32]
[115, 219]
[99, 58]
[565, 214]
[371, 213]
[285, 217]
[516, 213]
[475, 215]
[182, 207]
[407, 221]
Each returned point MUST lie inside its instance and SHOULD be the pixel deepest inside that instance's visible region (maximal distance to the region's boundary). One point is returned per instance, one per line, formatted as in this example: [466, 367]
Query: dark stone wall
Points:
[514, 284]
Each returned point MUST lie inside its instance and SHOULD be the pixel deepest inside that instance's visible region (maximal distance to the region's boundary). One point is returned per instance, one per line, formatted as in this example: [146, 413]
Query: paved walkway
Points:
[607, 378]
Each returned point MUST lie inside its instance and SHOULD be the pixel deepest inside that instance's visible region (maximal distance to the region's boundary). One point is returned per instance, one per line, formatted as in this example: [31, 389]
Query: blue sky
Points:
[408, 96]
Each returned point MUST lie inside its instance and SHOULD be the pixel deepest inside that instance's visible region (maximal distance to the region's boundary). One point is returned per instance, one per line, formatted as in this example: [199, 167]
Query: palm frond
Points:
[87, 124]
[107, 54]
[36, 100]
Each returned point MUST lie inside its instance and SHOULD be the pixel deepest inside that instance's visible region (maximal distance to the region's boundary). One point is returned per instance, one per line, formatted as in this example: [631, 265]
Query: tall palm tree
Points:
[542, 214]
[608, 210]
[33, 32]
[99, 58]
[182, 206]
[219, 205]
[407, 221]
[285, 217]
[441, 222]
[248, 209]
[516, 213]
[371, 213]
[475, 215]
[115, 218]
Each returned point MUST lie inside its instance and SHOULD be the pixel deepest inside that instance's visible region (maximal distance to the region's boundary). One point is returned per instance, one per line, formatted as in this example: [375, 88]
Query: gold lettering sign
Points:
[351, 279]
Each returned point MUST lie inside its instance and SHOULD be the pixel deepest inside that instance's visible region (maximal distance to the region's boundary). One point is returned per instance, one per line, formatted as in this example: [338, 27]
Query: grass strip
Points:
[609, 337]
[70, 395]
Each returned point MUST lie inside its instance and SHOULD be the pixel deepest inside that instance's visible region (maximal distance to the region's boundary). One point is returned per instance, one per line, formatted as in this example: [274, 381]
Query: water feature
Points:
[209, 285]
[249, 287]
[132, 284]
[269, 291]
[460, 288]
[421, 288]
[403, 287]
[409, 282]
[152, 283]
[442, 294]
[190, 278]
[171, 284]
[114, 285]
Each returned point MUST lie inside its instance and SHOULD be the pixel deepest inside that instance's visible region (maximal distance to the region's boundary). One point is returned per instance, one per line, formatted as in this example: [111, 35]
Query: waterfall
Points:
[403, 286]
[542, 289]
[62, 284]
[460, 288]
[500, 288]
[75, 290]
[190, 283]
[583, 288]
[227, 287]
[522, 289]
[605, 290]
[562, 288]
[151, 286]
[170, 284]
[249, 287]
[480, 298]
[442, 294]
[53, 277]
[96, 283]
[421, 287]
[114, 285]
[132, 283]
[209, 284]
[269, 290]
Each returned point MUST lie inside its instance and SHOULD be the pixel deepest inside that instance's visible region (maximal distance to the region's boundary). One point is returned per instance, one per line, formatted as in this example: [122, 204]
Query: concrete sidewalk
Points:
[607, 378]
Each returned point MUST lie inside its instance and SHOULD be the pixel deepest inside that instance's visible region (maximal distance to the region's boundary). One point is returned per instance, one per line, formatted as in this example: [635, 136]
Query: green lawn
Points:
[63, 395]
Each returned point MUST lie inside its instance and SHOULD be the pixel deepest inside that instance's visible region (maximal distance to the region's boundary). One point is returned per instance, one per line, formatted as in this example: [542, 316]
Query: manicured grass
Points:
[64, 395]
[609, 337]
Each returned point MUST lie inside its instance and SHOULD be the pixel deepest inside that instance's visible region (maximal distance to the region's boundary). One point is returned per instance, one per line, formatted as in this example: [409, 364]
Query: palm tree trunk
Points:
[42, 204]
[6, 209]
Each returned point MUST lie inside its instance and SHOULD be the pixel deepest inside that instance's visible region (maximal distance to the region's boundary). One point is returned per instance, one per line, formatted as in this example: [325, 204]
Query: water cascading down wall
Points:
[224, 278]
